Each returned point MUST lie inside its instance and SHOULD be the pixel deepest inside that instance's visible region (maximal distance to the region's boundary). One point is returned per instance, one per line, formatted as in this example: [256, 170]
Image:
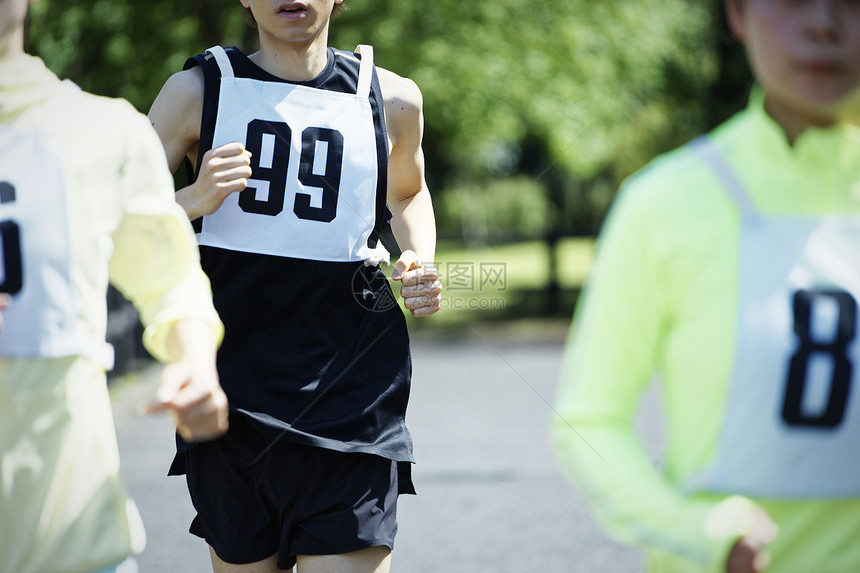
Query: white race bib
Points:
[791, 422]
[314, 160]
[35, 249]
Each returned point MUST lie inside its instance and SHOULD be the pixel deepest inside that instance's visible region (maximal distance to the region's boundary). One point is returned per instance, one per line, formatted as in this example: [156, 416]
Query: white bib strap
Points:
[223, 61]
[318, 203]
[733, 186]
[365, 70]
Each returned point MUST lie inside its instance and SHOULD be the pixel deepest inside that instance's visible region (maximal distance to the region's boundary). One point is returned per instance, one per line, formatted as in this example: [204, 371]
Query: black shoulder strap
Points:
[211, 89]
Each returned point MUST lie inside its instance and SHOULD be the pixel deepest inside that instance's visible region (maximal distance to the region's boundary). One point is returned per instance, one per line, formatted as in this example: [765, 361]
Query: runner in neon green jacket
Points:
[728, 269]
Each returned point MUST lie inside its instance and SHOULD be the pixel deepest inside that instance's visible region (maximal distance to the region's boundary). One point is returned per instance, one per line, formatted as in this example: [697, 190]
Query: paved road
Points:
[491, 498]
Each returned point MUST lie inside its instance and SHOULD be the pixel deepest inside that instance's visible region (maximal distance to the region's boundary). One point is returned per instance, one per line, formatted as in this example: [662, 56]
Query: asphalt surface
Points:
[491, 497]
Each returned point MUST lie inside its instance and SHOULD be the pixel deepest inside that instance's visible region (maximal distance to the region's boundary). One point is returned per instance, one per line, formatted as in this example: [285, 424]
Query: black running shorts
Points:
[255, 498]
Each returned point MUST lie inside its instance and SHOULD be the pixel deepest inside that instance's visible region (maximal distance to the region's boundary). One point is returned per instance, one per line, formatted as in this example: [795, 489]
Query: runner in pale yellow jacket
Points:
[728, 270]
[85, 196]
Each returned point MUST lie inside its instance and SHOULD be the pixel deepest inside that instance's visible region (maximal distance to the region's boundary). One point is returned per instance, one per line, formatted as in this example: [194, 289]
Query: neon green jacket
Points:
[661, 303]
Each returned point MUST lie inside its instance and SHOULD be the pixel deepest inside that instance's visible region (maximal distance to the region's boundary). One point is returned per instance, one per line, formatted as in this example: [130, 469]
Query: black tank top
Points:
[315, 351]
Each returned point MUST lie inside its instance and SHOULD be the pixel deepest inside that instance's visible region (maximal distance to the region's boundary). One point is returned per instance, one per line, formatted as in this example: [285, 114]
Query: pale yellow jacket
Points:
[62, 507]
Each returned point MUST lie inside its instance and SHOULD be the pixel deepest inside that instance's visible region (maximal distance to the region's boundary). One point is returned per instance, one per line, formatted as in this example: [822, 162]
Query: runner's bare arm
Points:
[176, 115]
[413, 221]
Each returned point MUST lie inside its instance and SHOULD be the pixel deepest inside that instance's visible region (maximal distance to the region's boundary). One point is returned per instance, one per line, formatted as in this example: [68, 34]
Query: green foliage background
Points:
[535, 111]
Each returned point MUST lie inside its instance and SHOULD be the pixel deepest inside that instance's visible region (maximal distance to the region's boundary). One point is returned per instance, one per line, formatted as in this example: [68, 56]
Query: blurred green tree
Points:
[573, 95]
[128, 48]
[576, 95]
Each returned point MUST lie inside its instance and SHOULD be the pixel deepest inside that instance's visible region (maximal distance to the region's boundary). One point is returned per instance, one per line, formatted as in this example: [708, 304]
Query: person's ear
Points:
[735, 18]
